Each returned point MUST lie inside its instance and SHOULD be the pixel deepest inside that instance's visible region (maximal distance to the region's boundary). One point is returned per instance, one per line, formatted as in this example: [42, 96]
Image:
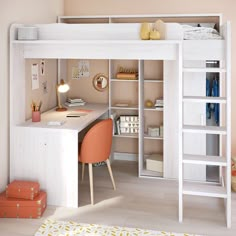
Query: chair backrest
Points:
[96, 146]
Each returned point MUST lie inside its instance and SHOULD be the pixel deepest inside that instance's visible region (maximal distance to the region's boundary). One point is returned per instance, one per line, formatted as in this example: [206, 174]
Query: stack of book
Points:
[73, 102]
[159, 103]
[127, 74]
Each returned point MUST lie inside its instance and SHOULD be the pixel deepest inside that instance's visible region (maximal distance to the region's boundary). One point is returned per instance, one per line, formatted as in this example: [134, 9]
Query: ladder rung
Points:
[204, 160]
[204, 129]
[200, 70]
[204, 99]
[205, 190]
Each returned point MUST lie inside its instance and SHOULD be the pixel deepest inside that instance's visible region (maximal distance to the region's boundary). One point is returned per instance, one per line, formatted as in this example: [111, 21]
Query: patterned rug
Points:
[63, 228]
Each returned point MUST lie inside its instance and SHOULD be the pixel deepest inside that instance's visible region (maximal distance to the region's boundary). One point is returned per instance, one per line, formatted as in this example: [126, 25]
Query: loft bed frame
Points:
[112, 37]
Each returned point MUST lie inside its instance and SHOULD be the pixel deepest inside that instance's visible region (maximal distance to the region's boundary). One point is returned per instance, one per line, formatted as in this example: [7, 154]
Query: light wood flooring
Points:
[137, 202]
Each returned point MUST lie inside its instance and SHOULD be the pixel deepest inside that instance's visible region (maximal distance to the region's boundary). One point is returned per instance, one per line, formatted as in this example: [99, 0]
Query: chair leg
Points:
[82, 177]
[110, 172]
[91, 182]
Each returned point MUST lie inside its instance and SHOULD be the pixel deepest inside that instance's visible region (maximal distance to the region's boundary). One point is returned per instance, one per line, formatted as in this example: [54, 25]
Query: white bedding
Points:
[199, 33]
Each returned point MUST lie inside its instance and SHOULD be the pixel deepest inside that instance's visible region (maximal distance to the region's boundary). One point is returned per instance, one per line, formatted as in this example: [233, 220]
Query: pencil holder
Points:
[36, 116]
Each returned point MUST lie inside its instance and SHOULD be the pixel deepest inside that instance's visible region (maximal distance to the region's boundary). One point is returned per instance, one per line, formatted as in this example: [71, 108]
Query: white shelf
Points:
[204, 129]
[150, 174]
[220, 100]
[200, 70]
[205, 190]
[204, 160]
[153, 80]
[124, 80]
[125, 108]
[125, 135]
[154, 109]
[151, 137]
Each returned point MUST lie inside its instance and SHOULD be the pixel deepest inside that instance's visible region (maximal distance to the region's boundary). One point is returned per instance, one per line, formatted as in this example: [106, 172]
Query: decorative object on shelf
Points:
[145, 31]
[100, 82]
[149, 104]
[27, 33]
[149, 31]
[161, 131]
[155, 35]
[74, 102]
[127, 73]
[153, 131]
[154, 162]
[61, 88]
[159, 103]
[127, 124]
[36, 114]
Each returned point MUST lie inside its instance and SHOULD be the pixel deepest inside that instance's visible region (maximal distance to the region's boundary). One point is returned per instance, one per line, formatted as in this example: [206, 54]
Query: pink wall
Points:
[123, 7]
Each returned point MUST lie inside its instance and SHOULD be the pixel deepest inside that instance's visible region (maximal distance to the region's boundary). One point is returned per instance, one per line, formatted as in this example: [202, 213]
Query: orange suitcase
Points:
[22, 208]
[22, 189]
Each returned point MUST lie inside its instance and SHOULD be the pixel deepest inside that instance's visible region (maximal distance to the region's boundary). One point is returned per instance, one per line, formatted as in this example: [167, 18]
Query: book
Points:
[74, 100]
[118, 126]
[75, 104]
[131, 76]
[113, 116]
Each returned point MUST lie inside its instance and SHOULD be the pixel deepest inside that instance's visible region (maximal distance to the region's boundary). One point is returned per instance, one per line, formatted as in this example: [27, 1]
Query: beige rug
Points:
[68, 228]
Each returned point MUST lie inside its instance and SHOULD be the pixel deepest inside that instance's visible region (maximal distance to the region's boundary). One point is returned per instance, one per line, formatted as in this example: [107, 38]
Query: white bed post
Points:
[180, 140]
[228, 122]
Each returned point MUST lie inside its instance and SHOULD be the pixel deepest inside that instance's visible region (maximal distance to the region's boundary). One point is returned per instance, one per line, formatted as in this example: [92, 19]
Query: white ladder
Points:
[223, 189]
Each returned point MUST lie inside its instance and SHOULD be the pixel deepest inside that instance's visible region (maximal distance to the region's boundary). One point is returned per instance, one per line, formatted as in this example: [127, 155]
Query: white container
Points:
[27, 33]
[153, 131]
[154, 162]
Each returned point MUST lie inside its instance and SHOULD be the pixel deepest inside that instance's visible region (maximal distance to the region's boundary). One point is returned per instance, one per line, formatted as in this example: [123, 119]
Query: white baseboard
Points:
[122, 156]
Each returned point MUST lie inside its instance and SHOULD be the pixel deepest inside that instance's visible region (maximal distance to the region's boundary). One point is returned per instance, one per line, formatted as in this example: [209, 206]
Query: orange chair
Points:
[96, 147]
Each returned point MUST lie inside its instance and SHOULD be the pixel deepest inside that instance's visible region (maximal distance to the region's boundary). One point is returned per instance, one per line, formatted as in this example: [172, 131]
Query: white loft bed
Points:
[120, 41]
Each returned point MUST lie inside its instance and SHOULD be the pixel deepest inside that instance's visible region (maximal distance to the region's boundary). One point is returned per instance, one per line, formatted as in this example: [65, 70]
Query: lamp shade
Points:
[63, 87]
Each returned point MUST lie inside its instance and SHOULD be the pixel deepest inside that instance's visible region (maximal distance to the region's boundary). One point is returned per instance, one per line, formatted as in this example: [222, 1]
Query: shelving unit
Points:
[124, 91]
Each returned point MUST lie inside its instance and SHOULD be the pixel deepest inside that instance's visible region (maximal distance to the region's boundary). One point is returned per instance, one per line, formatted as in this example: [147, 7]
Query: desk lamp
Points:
[62, 87]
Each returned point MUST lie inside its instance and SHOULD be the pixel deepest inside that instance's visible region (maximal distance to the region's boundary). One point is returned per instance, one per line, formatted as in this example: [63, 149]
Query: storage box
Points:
[155, 162]
[22, 189]
[22, 208]
[153, 131]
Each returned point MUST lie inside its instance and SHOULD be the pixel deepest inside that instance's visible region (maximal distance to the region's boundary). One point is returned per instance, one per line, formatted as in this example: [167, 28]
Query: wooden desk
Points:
[49, 154]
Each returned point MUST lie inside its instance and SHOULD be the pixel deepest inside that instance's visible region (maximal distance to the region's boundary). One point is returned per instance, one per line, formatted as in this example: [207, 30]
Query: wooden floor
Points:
[137, 202]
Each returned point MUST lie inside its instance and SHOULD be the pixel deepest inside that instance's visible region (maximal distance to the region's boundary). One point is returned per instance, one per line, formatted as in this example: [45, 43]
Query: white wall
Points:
[20, 11]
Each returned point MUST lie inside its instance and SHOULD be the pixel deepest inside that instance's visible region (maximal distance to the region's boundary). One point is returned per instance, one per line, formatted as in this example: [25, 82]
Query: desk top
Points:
[86, 115]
